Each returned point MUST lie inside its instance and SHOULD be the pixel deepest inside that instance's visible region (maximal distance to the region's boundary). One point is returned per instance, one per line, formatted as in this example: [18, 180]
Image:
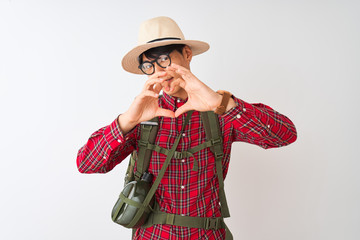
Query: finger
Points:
[177, 67]
[173, 70]
[157, 75]
[183, 109]
[149, 84]
[149, 93]
[178, 82]
[165, 113]
[184, 72]
[168, 75]
[157, 87]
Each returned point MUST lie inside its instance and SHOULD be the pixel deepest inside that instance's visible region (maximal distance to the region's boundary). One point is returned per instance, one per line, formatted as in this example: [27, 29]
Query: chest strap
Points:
[186, 221]
[184, 154]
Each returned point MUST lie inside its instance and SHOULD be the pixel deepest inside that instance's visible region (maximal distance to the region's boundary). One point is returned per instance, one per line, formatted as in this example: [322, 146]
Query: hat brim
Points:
[130, 60]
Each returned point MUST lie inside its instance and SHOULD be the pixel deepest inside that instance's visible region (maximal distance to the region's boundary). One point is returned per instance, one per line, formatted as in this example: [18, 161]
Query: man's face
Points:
[170, 86]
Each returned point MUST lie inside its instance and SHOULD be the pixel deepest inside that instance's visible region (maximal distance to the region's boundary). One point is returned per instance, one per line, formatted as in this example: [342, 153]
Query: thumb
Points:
[183, 109]
[165, 113]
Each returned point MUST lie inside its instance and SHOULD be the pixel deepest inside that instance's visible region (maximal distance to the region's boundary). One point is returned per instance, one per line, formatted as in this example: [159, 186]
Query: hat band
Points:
[163, 39]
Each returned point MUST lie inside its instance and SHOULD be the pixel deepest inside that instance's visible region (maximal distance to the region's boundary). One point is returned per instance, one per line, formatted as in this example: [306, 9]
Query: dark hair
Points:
[153, 53]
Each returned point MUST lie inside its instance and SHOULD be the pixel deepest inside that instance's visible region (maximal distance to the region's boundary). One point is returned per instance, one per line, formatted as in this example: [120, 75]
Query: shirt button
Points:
[183, 134]
[119, 140]
[182, 187]
[268, 126]
[238, 116]
[183, 160]
[244, 110]
[178, 100]
[104, 157]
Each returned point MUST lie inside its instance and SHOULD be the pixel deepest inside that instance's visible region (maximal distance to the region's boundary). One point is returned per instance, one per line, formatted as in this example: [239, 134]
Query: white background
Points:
[61, 80]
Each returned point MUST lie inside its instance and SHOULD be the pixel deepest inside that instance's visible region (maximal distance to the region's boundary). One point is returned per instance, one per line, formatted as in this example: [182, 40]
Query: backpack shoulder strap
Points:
[148, 132]
[213, 133]
[129, 176]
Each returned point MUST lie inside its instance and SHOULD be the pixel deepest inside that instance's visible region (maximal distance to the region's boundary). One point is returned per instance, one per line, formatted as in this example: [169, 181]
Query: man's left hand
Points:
[200, 96]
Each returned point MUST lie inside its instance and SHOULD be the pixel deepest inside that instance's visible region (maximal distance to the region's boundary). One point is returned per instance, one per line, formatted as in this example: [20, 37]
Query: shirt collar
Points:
[171, 102]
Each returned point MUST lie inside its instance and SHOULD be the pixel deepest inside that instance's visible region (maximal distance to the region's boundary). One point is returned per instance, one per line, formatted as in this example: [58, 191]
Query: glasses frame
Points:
[155, 60]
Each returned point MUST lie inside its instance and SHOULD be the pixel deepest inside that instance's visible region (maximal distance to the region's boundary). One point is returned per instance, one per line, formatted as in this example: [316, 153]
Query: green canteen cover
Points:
[129, 202]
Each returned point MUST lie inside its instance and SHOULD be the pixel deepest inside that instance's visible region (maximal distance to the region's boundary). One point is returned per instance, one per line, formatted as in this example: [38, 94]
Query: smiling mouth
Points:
[169, 79]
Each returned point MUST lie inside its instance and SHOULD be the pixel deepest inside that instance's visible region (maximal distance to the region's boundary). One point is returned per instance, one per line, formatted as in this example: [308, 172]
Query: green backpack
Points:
[136, 206]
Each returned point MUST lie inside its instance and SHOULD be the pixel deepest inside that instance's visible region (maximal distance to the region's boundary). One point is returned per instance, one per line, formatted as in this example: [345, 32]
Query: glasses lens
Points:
[147, 68]
[163, 60]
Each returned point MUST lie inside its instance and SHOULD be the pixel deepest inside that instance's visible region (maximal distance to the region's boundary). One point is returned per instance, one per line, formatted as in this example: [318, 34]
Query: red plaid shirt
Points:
[182, 190]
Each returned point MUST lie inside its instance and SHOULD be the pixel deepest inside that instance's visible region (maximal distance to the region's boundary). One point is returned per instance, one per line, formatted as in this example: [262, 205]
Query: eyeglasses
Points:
[162, 61]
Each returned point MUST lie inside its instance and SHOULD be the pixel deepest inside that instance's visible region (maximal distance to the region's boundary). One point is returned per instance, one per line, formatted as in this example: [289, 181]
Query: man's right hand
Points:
[145, 105]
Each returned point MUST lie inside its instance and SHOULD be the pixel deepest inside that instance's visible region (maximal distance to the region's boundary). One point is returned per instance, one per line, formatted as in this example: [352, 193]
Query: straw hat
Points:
[156, 32]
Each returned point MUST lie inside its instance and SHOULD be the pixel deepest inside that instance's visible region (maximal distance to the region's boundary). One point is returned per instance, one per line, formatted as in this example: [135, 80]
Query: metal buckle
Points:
[212, 223]
[178, 155]
[219, 155]
[216, 141]
[149, 123]
[137, 174]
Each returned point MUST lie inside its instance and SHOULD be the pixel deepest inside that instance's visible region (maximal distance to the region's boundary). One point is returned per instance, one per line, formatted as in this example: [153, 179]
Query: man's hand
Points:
[200, 96]
[145, 106]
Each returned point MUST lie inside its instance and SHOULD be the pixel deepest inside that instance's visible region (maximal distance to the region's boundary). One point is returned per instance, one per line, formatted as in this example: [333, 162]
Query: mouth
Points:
[169, 79]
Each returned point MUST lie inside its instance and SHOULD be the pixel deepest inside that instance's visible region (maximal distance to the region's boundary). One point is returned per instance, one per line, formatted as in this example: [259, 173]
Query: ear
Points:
[187, 53]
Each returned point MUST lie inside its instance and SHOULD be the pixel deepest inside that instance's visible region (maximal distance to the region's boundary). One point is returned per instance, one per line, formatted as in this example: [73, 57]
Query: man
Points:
[164, 55]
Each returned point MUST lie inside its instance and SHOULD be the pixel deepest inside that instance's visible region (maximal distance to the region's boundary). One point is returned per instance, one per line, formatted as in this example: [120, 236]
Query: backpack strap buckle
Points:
[142, 143]
[212, 223]
[170, 218]
[137, 175]
[219, 155]
[178, 155]
[216, 141]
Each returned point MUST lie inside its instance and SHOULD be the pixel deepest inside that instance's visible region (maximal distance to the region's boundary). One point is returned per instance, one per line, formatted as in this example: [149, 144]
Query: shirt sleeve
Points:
[106, 148]
[259, 124]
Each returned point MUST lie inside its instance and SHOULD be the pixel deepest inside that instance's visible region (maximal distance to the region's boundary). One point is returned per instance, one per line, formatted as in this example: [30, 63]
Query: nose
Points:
[158, 68]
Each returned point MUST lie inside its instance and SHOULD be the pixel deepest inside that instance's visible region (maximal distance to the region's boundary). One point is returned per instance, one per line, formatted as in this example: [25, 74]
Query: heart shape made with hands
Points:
[180, 82]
